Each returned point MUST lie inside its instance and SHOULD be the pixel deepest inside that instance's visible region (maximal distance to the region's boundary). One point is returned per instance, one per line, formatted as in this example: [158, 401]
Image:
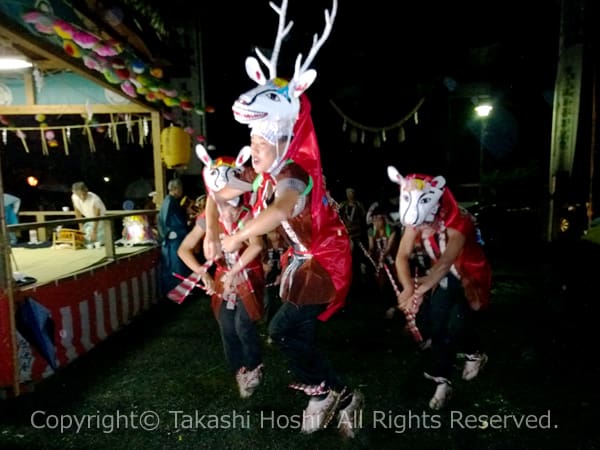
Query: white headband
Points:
[271, 131]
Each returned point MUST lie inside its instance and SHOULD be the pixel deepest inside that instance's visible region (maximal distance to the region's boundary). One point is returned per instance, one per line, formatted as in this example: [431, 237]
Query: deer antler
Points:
[317, 43]
[274, 99]
[282, 31]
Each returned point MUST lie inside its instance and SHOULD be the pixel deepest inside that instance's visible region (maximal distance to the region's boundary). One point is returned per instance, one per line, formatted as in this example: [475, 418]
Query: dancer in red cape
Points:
[445, 277]
[238, 286]
[329, 238]
[290, 196]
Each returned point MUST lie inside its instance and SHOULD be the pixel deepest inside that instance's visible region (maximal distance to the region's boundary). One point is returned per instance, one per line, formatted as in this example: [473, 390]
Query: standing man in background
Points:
[172, 228]
[87, 204]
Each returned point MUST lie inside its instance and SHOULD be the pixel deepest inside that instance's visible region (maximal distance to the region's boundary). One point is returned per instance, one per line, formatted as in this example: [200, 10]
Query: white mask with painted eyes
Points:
[419, 198]
[217, 177]
[224, 171]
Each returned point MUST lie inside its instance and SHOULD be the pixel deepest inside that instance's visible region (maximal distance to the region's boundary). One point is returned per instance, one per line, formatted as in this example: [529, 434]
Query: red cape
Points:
[471, 264]
[330, 241]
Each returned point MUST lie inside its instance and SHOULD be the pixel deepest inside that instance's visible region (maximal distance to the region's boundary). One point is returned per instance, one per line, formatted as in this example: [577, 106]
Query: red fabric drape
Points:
[330, 242]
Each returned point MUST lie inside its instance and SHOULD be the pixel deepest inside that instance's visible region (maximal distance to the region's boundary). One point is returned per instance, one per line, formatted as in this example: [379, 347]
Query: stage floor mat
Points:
[52, 263]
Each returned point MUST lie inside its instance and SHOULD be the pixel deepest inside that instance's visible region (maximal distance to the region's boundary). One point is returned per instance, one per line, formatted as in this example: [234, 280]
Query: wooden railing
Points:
[44, 226]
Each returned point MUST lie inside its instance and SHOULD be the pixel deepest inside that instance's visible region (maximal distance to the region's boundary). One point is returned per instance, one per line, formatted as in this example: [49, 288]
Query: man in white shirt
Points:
[87, 204]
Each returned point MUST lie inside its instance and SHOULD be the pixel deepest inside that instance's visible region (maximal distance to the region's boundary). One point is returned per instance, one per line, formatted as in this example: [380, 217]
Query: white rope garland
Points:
[381, 131]
[87, 130]
[60, 127]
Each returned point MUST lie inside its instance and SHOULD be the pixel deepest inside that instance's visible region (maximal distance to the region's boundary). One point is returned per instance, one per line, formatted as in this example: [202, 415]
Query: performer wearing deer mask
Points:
[445, 276]
[239, 278]
[291, 197]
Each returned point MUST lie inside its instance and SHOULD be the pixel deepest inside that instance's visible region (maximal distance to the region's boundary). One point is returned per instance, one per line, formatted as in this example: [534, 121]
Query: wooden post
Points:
[6, 285]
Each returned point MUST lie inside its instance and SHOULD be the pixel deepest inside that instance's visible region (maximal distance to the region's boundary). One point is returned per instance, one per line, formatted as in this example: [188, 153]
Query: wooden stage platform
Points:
[79, 299]
[49, 264]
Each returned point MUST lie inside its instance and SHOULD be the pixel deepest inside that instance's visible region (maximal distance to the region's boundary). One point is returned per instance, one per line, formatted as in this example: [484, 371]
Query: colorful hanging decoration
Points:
[38, 79]
[129, 126]
[113, 134]
[141, 132]
[9, 126]
[117, 63]
[66, 136]
[23, 138]
[380, 134]
[47, 136]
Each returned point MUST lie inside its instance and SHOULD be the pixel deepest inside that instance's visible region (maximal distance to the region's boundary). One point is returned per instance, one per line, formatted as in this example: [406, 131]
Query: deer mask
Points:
[419, 196]
[224, 171]
[276, 100]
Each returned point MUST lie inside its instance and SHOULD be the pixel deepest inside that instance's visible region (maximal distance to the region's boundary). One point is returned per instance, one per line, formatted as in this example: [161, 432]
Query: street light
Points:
[483, 110]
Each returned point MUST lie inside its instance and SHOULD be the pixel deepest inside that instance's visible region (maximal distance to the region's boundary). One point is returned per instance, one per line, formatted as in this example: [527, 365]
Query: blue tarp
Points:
[35, 324]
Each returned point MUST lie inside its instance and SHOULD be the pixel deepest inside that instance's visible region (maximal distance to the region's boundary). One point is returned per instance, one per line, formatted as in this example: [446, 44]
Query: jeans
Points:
[446, 318]
[241, 342]
[293, 329]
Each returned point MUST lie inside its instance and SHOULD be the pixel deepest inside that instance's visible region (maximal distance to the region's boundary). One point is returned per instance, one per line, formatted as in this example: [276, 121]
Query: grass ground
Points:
[169, 364]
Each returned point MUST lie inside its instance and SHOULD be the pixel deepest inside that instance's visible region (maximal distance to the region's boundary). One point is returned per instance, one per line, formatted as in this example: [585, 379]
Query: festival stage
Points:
[79, 299]
[49, 264]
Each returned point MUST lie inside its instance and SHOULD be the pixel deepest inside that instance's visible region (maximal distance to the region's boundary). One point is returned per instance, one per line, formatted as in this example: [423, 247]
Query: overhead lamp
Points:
[10, 58]
[14, 63]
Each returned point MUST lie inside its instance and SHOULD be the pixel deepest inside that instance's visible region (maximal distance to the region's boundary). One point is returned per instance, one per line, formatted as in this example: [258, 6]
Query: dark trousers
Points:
[293, 329]
[358, 283]
[240, 338]
[272, 301]
[446, 318]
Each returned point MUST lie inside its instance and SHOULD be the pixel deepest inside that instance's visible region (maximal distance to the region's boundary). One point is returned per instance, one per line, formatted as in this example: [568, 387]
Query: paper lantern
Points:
[176, 147]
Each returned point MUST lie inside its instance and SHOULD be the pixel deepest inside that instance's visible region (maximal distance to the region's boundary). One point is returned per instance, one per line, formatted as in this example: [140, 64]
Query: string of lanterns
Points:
[380, 133]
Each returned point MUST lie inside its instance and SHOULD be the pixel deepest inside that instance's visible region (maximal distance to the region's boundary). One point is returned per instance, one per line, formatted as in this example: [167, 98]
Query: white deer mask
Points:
[420, 196]
[274, 99]
[224, 171]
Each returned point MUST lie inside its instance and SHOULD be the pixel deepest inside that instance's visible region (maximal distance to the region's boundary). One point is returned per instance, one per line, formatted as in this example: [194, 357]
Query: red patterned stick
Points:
[411, 320]
[412, 323]
[367, 254]
[180, 292]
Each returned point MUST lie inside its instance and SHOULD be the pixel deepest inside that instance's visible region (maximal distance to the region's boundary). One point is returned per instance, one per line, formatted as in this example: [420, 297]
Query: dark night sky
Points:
[379, 60]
